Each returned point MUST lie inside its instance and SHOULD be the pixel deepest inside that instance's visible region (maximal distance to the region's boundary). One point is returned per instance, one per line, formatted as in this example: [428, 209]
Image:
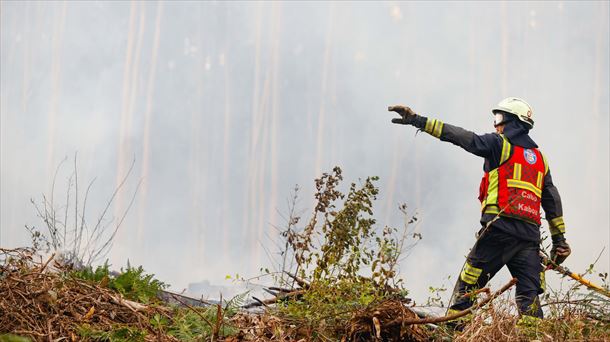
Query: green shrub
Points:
[132, 282]
[348, 262]
[13, 338]
[117, 333]
[190, 324]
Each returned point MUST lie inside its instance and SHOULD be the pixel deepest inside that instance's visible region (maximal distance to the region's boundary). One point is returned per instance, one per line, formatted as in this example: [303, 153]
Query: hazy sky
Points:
[226, 105]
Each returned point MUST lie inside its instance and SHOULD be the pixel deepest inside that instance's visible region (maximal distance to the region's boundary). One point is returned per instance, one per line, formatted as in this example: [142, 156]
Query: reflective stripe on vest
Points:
[514, 188]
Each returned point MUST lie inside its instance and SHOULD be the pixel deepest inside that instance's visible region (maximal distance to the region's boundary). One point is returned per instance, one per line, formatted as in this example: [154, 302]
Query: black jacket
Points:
[489, 147]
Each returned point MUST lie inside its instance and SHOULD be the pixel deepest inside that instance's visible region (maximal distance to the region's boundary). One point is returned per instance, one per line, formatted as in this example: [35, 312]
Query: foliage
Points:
[326, 306]
[184, 324]
[190, 324]
[347, 261]
[341, 241]
[565, 328]
[13, 338]
[131, 282]
[117, 333]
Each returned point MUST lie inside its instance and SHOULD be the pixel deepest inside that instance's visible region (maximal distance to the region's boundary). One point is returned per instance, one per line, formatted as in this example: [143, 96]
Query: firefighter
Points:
[516, 183]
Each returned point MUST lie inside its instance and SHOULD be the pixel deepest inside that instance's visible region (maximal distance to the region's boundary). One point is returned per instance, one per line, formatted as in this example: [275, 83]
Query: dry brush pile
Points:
[44, 303]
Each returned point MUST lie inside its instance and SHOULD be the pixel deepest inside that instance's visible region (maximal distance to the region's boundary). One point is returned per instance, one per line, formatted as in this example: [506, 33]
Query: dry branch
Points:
[461, 313]
[302, 283]
[273, 300]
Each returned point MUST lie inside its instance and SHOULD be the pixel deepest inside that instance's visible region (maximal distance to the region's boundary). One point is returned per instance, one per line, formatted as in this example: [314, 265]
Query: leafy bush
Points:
[326, 306]
[13, 338]
[118, 333]
[340, 241]
[131, 282]
[196, 324]
[347, 261]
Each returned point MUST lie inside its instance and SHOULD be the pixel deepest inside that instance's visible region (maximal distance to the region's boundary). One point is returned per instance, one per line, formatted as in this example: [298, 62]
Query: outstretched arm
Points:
[485, 145]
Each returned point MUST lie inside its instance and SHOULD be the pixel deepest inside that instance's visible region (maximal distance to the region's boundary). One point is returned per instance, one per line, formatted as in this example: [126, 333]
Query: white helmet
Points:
[512, 105]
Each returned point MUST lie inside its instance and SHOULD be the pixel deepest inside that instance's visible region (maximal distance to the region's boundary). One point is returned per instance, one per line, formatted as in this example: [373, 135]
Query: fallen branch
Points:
[272, 300]
[456, 315]
[131, 305]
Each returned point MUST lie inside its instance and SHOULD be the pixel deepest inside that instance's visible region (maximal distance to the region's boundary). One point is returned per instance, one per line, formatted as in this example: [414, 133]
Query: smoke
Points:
[225, 106]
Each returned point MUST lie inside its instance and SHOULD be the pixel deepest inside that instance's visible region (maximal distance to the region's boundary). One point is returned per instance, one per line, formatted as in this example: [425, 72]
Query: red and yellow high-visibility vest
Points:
[514, 188]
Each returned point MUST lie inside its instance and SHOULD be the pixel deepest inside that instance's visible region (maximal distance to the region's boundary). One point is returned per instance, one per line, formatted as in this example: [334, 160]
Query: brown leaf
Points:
[88, 315]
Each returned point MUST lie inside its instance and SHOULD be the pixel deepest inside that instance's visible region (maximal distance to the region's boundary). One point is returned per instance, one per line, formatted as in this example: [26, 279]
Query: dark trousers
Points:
[491, 252]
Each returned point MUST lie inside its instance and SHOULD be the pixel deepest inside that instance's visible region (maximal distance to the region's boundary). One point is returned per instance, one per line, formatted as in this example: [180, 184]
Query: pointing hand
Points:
[406, 114]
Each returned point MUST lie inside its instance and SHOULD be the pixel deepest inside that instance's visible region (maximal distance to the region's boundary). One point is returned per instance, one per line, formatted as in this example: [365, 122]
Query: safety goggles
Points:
[498, 119]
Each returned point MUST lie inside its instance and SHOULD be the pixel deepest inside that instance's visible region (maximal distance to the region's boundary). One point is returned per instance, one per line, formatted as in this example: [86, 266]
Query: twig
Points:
[76, 241]
[258, 303]
[302, 283]
[45, 218]
[98, 228]
[103, 250]
[83, 226]
[273, 293]
[281, 289]
[476, 292]
[219, 319]
[46, 263]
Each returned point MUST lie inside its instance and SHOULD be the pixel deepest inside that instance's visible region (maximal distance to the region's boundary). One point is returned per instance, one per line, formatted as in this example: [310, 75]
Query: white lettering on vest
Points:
[528, 195]
[527, 209]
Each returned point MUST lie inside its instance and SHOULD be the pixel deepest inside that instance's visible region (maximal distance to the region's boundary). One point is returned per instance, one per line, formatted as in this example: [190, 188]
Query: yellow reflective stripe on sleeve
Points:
[546, 164]
[434, 127]
[539, 180]
[557, 221]
[470, 274]
[517, 171]
[557, 226]
[429, 125]
[438, 129]
[468, 279]
[505, 150]
[475, 271]
[491, 209]
[492, 188]
[513, 183]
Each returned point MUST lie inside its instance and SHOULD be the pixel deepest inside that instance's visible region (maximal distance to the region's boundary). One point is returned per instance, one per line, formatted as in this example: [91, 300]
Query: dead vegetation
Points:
[46, 305]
